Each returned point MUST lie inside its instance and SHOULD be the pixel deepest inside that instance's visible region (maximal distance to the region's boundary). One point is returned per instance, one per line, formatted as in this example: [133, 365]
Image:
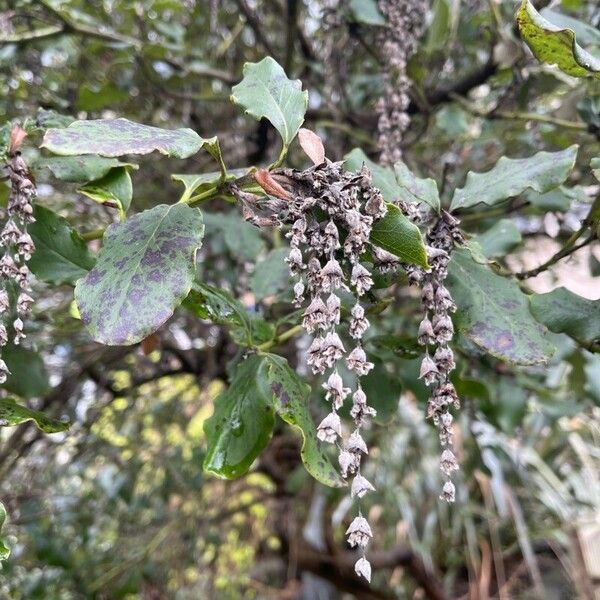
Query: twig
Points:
[569, 248]
[517, 116]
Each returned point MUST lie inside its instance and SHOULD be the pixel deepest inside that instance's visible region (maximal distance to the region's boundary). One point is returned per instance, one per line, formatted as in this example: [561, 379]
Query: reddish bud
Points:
[267, 183]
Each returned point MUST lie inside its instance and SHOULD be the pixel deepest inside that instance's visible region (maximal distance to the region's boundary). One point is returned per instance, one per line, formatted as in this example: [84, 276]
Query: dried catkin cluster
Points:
[435, 333]
[406, 21]
[18, 248]
[330, 213]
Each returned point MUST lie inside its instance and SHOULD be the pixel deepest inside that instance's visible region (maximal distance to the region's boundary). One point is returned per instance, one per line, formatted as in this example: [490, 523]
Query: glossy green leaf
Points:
[562, 311]
[383, 178]
[511, 176]
[271, 275]
[397, 234]
[116, 137]
[500, 239]
[266, 92]
[494, 313]
[416, 189]
[366, 11]
[79, 169]
[220, 307]
[28, 377]
[145, 269]
[554, 44]
[12, 413]
[242, 422]
[290, 398]
[115, 187]
[61, 255]
[4, 549]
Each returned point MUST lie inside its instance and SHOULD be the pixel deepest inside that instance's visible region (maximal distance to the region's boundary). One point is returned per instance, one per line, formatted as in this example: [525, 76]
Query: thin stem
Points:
[205, 195]
[493, 212]
[96, 234]
[566, 250]
[279, 339]
[518, 116]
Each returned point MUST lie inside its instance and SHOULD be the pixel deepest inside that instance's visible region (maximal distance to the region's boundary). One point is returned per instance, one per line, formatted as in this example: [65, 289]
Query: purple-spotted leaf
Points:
[117, 137]
[494, 313]
[144, 271]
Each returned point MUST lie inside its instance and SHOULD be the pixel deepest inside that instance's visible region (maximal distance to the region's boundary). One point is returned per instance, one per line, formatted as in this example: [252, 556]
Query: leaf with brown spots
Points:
[494, 313]
[290, 399]
[144, 271]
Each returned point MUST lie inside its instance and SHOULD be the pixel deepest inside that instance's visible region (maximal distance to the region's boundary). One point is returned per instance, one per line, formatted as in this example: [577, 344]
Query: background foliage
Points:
[119, 506]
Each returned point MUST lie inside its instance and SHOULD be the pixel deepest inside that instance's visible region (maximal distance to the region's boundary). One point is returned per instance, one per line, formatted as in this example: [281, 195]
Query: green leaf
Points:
[79, 169]
[220, 307]
[553, 44]
[562, 311]
[383, 178]
[197, 182]
[144, 271]
[116, 137]
[266, 92]
[50, 118]
[367, 12]
[290, 399]
[494, 313]
[586, 34]
[12, 413]
[4, 549]
[512, 176]
[242, 239]
[271, 275]
[61, 255]
[397, 234]
[242, 422]
[415, 189]
[28, 377]
[558, 199]
[397, 183]
[499, 239]
[114, 187]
